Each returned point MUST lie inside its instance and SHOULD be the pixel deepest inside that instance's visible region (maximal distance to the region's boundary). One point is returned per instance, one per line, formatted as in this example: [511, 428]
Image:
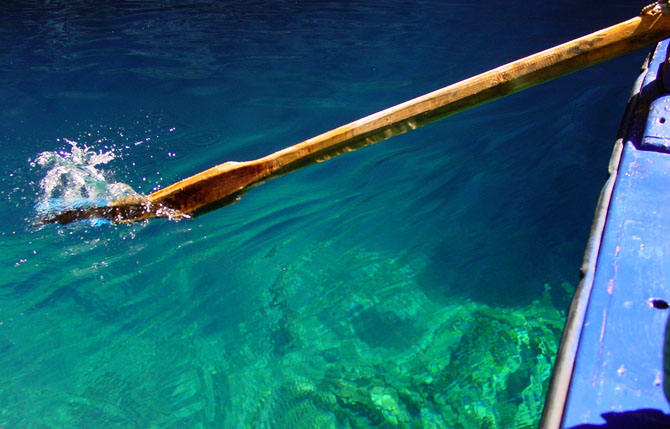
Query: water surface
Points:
[420, 282]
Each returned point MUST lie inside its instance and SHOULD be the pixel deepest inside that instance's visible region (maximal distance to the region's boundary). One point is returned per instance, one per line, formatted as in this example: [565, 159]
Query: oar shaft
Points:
[493, 84]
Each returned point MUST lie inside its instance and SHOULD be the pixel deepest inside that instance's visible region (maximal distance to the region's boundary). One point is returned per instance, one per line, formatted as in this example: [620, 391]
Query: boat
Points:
[609, 371]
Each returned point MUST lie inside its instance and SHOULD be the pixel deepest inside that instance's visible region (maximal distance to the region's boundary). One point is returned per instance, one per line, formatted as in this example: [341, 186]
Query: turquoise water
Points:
[420, 282]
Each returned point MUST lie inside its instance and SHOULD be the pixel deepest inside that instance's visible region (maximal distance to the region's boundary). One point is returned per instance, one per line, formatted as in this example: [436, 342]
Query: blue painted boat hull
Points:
[609, 370]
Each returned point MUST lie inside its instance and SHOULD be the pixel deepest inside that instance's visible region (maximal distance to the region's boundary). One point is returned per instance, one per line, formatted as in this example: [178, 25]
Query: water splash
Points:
[74, 179]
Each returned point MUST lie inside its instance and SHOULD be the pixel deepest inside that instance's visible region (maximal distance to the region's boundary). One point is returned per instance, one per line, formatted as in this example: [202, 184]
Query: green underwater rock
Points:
[391, 357]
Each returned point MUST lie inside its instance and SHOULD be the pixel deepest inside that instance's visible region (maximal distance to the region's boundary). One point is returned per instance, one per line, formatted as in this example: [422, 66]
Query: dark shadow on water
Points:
[647, 418]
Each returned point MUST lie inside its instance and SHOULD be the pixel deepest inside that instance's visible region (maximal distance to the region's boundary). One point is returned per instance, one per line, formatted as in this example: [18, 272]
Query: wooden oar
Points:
[224, 183]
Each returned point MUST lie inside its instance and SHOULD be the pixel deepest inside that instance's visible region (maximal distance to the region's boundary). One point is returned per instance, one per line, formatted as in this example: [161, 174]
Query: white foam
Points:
[74, 179]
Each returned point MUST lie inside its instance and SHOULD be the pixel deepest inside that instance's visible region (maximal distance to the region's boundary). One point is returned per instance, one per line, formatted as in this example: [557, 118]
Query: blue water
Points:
[420, 282]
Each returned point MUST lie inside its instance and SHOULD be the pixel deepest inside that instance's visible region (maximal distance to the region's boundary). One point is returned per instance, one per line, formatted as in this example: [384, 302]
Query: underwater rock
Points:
[386, 399]
[392, 357]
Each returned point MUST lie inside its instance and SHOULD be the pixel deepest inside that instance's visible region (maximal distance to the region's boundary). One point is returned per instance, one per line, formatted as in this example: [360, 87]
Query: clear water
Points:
[420, 282]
